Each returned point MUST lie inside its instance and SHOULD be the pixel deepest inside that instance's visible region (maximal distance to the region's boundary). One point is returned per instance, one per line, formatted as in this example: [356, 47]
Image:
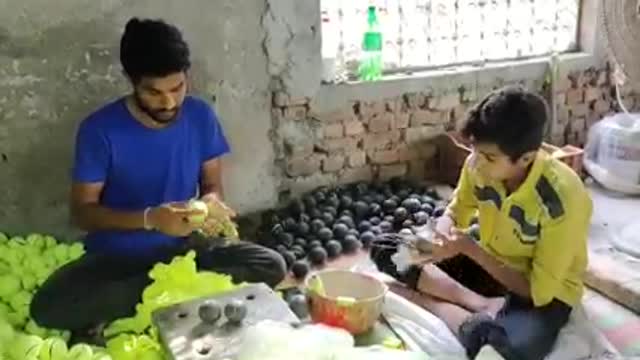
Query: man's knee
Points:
[45, 310]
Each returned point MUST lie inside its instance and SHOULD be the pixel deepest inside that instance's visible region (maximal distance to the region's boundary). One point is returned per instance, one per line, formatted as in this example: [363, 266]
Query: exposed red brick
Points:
[353, 127]
[575, 96]
[348, 176]
[338, 145]
[402, 120]
[303, 165]
[381, 140]
[333, 163]
[384, 157]
[578, 110]
[295, 112]
[357, 159]
[381, 122]
[387, 172]
[601, 106]
[444, 102]
[333, 131]
[419, 134]
[592, 93]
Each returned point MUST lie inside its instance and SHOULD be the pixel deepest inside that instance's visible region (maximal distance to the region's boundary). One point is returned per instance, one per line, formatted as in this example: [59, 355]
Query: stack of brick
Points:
[370, 140]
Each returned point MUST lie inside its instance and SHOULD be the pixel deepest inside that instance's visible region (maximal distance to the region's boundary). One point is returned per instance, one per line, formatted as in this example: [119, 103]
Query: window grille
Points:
[435, 33]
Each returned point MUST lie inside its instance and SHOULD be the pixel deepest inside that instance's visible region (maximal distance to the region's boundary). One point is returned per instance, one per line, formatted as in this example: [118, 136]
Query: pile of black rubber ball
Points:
[328, 222]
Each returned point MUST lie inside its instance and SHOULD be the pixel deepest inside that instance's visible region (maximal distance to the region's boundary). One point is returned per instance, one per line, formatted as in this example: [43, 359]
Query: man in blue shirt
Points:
[138, 160]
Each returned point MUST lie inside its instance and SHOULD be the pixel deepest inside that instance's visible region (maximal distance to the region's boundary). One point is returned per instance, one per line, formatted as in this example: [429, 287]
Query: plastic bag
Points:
[176, 282]
[271, 340]
[612, 153]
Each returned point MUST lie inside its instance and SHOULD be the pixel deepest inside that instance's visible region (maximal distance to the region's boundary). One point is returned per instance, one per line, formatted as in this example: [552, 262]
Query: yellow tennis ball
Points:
[202, 207]
[80, 352]
[53, 349]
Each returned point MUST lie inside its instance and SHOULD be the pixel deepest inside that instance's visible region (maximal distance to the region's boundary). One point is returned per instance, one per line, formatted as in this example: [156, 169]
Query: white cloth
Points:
[578, 340]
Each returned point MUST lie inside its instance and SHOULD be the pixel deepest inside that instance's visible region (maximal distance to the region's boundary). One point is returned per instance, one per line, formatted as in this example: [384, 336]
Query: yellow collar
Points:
[535, 172]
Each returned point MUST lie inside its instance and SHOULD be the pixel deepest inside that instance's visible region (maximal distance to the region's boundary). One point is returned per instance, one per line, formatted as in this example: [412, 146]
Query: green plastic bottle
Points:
[370, 67]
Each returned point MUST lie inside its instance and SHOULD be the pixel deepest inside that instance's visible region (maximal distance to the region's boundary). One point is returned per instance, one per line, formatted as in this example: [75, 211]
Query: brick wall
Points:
[392, 137]
[584, 98]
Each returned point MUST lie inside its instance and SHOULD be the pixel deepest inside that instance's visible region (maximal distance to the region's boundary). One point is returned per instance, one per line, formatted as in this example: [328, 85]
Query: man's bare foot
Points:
[493, 306]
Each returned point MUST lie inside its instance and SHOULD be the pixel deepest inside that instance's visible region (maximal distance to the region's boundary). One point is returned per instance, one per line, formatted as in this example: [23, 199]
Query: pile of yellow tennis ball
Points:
[25, 264]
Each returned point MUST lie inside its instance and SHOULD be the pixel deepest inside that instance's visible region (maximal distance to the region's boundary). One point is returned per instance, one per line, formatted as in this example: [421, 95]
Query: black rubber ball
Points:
[426, 208]
[298, 251]
[389, 206]
[375, 221]
[386, 227]
[354, 232]
[315, 213]
[303, 229]
[348, 213]
[351, 245]
[285, 239]
[328, 218]
[349, 238]
[421, 218]
[360, 209]
[318, 256]
[300, 269]
[300, 242]
[290, 225]
[316, 226]
[289, 258]
[346, 202]
[340, 230]
[364, 226]
[325, 234]
[400, 214]
[412, 205]
[314, 243]
[375, 209]
[438, 211]
[347, 221]
[334, 248]
[281, 248]
[366, 238]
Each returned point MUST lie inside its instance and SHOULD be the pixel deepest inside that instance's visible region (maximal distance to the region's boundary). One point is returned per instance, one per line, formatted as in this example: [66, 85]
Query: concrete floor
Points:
[611, 213]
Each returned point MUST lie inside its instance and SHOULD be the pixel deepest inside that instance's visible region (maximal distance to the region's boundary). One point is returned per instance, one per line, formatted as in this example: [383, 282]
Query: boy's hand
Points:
[456, 243]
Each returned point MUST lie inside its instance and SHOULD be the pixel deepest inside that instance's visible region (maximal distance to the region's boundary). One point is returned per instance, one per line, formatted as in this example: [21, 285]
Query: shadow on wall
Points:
[53, 80]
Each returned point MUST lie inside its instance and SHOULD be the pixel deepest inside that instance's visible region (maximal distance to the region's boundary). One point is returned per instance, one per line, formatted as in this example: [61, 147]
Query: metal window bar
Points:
[426, 34]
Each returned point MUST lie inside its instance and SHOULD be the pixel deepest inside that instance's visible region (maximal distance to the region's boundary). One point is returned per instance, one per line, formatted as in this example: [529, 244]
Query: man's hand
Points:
[216, 206]
[173, 219]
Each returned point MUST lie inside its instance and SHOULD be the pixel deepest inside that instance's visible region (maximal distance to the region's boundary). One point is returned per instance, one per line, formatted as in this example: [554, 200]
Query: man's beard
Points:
[162, 116]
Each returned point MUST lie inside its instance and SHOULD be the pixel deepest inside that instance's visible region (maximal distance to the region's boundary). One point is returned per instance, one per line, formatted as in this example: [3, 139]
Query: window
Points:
[420, 34]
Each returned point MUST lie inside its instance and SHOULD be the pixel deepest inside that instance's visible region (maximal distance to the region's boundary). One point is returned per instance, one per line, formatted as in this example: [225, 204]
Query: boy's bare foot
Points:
[493, 306]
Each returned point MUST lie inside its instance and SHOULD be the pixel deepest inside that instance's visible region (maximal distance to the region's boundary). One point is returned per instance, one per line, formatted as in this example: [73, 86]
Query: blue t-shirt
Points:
[143, 167]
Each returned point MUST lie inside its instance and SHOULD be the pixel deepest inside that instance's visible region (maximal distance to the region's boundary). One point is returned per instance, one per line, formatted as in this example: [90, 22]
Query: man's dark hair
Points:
[512, 117]
[152, 48]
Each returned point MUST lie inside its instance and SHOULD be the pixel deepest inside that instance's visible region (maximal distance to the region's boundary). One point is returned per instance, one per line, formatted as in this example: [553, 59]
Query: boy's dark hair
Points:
[152, 48]
[512, 117]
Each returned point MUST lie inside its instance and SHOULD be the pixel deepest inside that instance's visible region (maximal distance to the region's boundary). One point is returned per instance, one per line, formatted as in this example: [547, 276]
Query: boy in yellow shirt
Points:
[513, 287]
